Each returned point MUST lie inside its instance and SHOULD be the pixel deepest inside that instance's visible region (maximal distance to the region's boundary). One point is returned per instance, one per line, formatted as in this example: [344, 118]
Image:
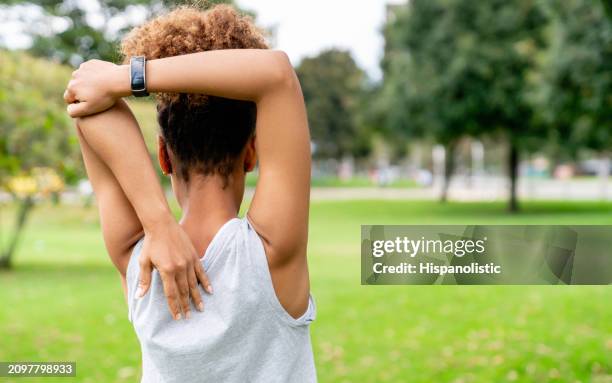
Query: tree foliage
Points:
[575, 94]
[84, 38]
[36, 136]
[455, 68]
[34, 127]
[334, 90]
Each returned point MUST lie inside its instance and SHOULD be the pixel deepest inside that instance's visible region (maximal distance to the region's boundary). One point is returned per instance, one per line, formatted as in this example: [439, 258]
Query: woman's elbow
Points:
[284, 75]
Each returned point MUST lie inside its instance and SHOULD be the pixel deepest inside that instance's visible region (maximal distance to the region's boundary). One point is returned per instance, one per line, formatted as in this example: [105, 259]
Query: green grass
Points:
[63, 301]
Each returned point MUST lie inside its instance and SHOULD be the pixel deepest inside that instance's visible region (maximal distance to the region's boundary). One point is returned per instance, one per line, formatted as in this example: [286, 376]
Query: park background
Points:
[468, 112]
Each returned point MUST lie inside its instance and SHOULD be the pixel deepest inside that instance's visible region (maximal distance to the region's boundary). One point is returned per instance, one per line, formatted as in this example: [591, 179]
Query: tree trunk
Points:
[449, 168]
[513, 164]
[476, 163]
[6, 256]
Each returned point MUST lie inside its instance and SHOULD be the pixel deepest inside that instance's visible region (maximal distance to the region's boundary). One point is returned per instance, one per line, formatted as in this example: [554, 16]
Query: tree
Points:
[575, 76]
[36, 135]
[607, 4]
[415, 55]
[334, 90]
[455, 68]
[86, 37]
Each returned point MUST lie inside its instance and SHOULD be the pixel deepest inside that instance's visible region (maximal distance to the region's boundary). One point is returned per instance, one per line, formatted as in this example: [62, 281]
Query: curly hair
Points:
[205, 133]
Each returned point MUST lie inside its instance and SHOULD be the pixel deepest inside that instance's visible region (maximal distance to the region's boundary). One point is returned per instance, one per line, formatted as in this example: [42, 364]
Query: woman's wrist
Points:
[157, 220]
[152, 209]
[120, 82]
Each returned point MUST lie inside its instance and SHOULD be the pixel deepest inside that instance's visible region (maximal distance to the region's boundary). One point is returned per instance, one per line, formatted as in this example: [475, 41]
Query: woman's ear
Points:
[162, 155]
[250, 156]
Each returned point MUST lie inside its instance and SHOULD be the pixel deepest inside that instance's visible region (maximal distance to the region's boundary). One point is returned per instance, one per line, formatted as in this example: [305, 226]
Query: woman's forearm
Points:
[116, 140]
[115, 137]
[245, 74]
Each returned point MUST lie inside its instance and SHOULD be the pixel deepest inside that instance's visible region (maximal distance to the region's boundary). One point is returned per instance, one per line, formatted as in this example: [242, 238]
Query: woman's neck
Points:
[207, 205]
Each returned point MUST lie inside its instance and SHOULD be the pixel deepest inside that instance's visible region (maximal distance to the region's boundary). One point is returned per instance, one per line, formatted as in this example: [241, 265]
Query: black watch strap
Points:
[138, 81]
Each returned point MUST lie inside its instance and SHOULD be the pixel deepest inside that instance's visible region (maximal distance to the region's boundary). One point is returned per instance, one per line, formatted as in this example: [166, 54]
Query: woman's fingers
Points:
[144, 281]
[172, 294]
[195, 292]
[77, 109]
[202, 277]
[69, 96]
[183, 288]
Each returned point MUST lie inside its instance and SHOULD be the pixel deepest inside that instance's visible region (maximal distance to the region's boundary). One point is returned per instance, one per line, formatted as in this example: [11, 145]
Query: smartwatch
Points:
[138, 81]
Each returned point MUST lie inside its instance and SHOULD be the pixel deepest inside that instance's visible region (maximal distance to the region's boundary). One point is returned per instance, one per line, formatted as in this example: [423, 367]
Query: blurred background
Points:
[421, 112]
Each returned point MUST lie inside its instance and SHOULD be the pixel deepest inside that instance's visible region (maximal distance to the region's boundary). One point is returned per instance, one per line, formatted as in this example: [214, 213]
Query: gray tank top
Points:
[244, 333]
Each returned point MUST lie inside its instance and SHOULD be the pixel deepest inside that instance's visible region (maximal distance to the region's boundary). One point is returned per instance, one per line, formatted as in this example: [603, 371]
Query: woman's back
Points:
[243, 335]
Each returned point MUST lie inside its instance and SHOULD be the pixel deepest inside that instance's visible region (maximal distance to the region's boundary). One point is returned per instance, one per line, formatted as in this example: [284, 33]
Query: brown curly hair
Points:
[206, 134]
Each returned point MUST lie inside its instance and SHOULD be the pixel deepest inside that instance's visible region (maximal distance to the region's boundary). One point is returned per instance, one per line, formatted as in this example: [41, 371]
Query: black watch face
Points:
[138, 80]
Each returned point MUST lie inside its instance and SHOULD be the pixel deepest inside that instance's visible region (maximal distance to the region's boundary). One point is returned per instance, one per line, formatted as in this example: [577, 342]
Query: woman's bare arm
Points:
[121, 227]
[279, 210]
[131, 202]
[280, 206]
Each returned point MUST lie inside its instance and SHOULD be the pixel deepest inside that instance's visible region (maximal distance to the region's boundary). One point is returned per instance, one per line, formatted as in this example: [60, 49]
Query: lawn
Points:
[63, 302]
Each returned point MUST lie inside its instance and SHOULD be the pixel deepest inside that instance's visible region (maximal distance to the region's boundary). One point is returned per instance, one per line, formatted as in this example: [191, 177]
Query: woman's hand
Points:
[168, 248]
[95, 87]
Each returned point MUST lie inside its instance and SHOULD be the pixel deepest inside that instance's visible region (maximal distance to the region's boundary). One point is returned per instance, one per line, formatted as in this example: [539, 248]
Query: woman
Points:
[224, 101]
